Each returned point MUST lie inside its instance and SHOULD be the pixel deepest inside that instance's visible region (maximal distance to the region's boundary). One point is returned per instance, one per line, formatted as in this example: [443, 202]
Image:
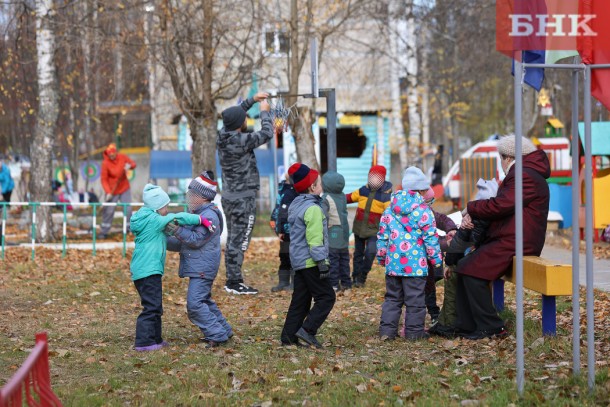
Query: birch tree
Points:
[42, 146]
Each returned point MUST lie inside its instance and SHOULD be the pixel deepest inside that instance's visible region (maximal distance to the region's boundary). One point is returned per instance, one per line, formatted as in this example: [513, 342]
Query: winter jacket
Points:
[308, 232]
[371, 205]
[444, 223]
[240, 178]
[6, 181]
[407, 238]
[279, 216]
[495, 255]
[335, 208]
[464, 239]
[114, 177]
[199, 248]
[149, 254]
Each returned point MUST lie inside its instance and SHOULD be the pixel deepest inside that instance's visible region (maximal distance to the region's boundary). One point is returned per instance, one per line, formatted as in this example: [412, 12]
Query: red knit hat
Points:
[302, 176]
[376, 176]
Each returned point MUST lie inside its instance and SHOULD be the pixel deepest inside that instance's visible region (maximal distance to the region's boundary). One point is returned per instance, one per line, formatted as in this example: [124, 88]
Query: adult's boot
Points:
[284, 283]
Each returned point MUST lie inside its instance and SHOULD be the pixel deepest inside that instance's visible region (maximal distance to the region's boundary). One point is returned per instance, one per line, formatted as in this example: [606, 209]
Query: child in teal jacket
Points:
[148, 262]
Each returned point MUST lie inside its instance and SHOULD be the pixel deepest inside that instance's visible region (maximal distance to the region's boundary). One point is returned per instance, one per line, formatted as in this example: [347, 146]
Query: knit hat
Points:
[111, 148]
[302, 176]
[204, 185]
[233, 117]
[429, 194]
[154, 197]
[376, 176]
[506, 146]
[415, 180]
[486, 189]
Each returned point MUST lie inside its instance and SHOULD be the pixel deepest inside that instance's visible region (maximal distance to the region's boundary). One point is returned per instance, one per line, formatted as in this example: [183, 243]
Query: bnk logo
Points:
[528, 25]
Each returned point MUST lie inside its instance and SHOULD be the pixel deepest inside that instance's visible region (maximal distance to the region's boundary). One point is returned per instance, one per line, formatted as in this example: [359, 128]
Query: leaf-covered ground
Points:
[88, 306]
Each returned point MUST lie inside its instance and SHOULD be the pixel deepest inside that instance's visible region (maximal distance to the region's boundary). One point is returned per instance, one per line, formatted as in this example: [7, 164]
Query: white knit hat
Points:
[204, 185]
[415, 180]
[506, 146]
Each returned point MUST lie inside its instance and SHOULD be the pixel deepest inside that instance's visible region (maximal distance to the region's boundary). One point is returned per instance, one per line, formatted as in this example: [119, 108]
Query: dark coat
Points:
[495, 255]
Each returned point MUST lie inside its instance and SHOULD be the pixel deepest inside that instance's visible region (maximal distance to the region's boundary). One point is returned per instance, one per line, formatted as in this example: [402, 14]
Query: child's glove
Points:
[206, 222]
[171, 228]
[324, 269]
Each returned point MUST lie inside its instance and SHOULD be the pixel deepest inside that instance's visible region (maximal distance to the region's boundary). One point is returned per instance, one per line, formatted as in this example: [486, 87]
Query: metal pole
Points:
[94, 223]
[3, 227]
[33, 205]
[331, 128]
[124, 229]
[519, 223]
[63, 236]
[575, 229]
[589, 231]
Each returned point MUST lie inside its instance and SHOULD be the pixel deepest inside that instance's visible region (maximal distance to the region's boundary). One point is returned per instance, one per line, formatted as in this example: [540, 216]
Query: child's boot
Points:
[284, 281]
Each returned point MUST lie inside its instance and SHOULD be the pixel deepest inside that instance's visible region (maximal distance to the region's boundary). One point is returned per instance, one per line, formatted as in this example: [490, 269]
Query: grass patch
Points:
[88, 306]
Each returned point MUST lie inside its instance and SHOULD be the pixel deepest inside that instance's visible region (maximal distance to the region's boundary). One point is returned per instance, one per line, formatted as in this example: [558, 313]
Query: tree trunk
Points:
[397, 126]
[412, 91]
[42, 147]
[203, 133]
[304, 141]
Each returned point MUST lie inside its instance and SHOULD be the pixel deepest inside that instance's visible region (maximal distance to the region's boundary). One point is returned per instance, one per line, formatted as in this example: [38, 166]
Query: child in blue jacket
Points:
[199, 248]
[406, 243]
[148, 262]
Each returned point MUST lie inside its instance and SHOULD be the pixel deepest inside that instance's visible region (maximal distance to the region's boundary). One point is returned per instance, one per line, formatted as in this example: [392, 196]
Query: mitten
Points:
[324, 269]
[171, 228]
[207, 223]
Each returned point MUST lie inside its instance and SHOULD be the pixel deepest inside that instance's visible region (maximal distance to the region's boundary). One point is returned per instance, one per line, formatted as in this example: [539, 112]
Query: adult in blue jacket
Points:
[6, 182]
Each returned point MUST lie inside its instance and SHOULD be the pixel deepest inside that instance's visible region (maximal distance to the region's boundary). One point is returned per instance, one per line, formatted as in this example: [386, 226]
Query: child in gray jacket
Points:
[199, 248]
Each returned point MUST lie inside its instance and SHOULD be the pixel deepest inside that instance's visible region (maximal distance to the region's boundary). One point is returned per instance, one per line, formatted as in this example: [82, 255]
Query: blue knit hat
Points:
[415, 180]
[154, 197]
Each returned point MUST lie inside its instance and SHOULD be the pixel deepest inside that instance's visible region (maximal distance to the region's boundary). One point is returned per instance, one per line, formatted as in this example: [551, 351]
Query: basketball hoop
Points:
[280, 114]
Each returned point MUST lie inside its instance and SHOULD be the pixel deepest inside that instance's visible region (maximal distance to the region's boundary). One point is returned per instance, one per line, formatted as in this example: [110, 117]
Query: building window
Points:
[276, 43]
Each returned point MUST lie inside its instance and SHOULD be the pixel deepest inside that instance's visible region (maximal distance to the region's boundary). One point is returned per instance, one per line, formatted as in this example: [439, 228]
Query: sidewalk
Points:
[601, 268]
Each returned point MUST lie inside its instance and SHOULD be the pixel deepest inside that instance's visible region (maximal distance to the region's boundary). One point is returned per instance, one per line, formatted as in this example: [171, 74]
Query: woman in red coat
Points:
[477, 317]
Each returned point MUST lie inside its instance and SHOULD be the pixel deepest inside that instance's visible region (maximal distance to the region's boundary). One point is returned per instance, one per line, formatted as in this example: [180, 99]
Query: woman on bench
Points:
[476, 316]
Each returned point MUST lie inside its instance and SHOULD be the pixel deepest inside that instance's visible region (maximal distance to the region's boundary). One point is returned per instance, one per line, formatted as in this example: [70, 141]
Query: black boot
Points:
[284, 283]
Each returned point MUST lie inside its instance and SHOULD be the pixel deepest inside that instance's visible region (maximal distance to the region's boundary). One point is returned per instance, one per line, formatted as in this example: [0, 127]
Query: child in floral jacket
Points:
[406, 242]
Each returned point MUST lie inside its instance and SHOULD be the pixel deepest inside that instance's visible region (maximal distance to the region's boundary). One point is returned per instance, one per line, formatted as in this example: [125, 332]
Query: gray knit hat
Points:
[204, 185]
[415, 180]
[506, 146]
[233, 117]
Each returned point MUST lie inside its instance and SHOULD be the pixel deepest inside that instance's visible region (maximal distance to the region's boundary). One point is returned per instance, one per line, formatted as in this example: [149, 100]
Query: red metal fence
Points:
[32, 382]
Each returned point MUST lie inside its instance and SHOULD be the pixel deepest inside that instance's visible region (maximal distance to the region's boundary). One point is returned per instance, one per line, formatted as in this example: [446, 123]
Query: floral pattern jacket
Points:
[407, 238]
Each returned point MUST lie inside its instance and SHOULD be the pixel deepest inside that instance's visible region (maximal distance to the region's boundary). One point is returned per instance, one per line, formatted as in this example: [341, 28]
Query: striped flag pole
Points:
[63, 237]
[374, 161]
[94, 207]
[124, 229]
[3, 227]
[33, 205]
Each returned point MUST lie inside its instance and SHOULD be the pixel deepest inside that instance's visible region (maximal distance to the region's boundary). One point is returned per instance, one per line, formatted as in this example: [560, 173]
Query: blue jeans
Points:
[148, 324]
[364, 255]
[203, 311]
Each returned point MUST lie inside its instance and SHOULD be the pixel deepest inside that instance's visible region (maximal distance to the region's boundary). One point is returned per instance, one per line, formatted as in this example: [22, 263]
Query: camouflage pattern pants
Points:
[240, 216]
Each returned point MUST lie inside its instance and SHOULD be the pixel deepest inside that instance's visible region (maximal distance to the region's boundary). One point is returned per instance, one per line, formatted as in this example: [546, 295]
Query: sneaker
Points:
[386, 338]
[213, 344]
[149, 348]
[476, 335]
[296, 343]
[308, 338]
[240, 289]
[335, 289]
[442, 330]
[358, 284]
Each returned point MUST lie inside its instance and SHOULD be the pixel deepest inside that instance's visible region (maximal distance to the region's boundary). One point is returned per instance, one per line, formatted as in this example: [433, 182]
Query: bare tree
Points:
[209, 56]
[44, 137]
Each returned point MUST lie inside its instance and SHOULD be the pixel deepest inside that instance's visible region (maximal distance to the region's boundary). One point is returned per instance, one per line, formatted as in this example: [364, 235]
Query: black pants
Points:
[148, 324]
[474, 305]
[339, 268]
[285, 256]
[7, 196]
[308, 286]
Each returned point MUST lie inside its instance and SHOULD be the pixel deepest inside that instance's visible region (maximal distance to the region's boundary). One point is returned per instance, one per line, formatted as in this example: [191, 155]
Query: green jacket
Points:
[149, 255]
[308, 232]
